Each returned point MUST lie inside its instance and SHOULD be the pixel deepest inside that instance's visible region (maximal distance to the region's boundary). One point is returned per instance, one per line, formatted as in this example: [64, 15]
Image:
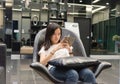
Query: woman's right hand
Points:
[59, 46]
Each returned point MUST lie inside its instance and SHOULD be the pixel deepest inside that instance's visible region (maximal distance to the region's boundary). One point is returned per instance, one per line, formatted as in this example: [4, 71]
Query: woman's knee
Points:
[73, 74]
[88, 72]
[87, 75]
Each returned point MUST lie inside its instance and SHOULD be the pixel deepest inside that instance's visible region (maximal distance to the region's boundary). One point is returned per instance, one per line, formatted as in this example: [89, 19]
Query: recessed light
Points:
[80, 1]
[107, 3]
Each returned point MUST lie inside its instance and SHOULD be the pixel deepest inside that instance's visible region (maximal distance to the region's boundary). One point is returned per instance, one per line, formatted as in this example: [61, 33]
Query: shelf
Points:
[57, 19]
[27, 17]
[57, 12]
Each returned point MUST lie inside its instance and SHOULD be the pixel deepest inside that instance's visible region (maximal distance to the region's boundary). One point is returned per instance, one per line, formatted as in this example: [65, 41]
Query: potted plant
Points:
[116, 38]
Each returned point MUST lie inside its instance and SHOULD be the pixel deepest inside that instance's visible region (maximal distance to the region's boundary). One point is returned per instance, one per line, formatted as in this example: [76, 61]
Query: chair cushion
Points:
[74, 62]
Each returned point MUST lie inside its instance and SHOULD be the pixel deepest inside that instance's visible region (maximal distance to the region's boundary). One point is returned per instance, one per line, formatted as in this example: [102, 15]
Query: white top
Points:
[59, 53]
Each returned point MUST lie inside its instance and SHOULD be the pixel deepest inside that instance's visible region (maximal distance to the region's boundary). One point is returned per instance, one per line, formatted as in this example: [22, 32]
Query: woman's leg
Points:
[86, 75]
[69, 76]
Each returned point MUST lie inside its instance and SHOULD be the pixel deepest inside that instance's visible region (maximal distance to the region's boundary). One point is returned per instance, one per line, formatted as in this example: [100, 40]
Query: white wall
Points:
[1, 18]
[100, 16]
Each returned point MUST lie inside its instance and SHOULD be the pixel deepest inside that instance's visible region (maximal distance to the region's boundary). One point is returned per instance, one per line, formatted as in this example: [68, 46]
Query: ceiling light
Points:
[80, 1]
[69, 5]
[107, 3]
[95, 1]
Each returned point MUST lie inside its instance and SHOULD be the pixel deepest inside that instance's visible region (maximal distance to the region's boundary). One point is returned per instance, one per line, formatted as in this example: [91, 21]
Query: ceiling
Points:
[79, 5]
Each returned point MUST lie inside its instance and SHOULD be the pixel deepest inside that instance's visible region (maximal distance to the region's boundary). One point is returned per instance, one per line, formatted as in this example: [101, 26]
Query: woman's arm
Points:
[45, 58]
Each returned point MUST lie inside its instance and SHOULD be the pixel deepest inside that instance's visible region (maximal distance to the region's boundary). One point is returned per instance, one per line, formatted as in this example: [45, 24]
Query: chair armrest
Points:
[2, 75]
[43, 71]
[102, 66]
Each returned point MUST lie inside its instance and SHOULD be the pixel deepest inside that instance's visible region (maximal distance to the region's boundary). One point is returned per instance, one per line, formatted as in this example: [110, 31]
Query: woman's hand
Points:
[67, 46]
[63, 45]
[59, 46]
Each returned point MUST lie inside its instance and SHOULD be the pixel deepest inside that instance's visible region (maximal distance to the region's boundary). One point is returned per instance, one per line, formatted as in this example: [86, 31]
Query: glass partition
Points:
[105, 24]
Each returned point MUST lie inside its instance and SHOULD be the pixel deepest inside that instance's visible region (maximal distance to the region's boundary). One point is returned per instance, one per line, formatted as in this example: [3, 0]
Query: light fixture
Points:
[80, 1]
[95, 1]
[45, 6]
[69, 5]
[9, 3]
[35, 20]
[107, 3]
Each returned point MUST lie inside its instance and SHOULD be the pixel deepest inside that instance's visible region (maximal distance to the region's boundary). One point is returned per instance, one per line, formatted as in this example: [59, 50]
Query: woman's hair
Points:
[49, 32]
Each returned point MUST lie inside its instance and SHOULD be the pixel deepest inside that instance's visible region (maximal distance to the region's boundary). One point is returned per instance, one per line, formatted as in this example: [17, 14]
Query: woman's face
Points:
[56, 36]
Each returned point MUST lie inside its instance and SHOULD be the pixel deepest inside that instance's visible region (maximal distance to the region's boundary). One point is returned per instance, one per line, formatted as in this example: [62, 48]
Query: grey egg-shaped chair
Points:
[78, 50]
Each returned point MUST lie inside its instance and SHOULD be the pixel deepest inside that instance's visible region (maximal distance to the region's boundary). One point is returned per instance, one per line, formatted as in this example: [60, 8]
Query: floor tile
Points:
[19, 72]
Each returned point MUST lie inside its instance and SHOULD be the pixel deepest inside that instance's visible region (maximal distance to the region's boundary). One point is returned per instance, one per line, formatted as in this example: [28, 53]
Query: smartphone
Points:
[68, 39]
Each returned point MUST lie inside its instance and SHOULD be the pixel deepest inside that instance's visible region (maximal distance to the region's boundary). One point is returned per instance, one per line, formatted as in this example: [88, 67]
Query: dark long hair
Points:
[49, 32]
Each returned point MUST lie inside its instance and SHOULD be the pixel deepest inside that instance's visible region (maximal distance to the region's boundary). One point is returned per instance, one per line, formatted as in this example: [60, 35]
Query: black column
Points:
[8, 26]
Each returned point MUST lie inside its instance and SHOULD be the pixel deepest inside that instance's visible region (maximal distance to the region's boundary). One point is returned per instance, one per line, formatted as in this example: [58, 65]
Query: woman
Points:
[54, 48]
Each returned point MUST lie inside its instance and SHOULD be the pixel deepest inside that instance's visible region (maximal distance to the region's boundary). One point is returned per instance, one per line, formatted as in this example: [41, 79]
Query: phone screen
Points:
[68, 39]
